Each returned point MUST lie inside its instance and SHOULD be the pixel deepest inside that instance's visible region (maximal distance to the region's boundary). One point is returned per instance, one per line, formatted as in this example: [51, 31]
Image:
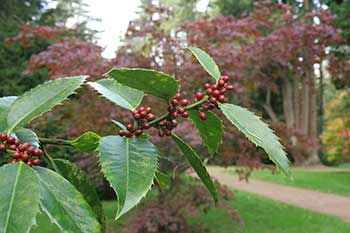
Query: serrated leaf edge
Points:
[115, 191]
[287, 172]
[100, 94]
[200, 62]
[135, 69]
[14, 126]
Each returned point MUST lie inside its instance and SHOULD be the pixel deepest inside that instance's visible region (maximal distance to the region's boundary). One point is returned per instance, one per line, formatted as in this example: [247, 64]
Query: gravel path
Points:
[325, 203]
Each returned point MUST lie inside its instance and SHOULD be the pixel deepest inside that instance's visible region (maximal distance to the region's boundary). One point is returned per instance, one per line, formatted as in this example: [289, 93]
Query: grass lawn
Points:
[262, 215]
[327, 181]
[259, 215]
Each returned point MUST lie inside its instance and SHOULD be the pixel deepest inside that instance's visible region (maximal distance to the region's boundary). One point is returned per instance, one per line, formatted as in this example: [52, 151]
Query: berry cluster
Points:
[142, 116]
[20, 151]
[177, 107]
[217, 91]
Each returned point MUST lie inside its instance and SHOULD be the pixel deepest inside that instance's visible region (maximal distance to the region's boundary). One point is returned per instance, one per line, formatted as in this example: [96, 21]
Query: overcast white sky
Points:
[115, 16]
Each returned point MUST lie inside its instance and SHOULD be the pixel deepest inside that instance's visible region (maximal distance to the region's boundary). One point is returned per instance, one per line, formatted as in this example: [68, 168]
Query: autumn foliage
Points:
[336, 137]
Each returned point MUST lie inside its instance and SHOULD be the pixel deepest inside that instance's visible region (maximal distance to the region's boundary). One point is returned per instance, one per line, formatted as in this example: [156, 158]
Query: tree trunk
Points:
[308, 4]
[312, 127]
[288, 103]
[313, 111]
[297, 102]
[268, 108]
[321, 102]
[305, 105]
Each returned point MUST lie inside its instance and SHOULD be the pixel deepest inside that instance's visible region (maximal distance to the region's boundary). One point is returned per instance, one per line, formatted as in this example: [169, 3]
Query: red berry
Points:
[23, 147]
[178, 96]
[145, 126]
[121, 133]
[11, 140]
[128, 134]
[129, 127]
[24, 157]
[174, 114]
[30, 163]
[174, 102]
[38, 152]
[222, 91]
[30, 150]
[160, 133]
[221, 83]
[150, 117]
[225, 78]
[143, 114]
[216, 93]
[185, 114]
[207, 85]
[211, 106]
[14, 161]
[214, 87]
[138, 132]
[203, 116]
[137, 116]
[2, 147]
[174, 122]
[184, 102]
[3, 137]
[167, 132]
[209, 91]
[222, 98]
[36, 161]
[148, 110]
[12, 147]
[212, 100]
[17, 155]
[230, 87]
[199, 96]
[205, 107]
[171, 109]
[17, 142]
[141, 109]
[180, 110]
[168, 124]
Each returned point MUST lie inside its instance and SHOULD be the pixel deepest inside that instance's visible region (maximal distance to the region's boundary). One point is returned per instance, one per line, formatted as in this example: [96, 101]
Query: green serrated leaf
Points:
[258, 133]
[18, 208]
[129, 165]
[64, 205]
[195, 161]
[5, 103]
[162, 179]
[211, 130]
[87, 142]
[149, 81]
[41, 99]
[124, 96]
[81, 182]
[207, 62]
[27, 135]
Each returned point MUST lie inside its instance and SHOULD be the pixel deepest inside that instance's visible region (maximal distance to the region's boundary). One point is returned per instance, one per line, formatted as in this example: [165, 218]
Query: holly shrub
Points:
[127, 159]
